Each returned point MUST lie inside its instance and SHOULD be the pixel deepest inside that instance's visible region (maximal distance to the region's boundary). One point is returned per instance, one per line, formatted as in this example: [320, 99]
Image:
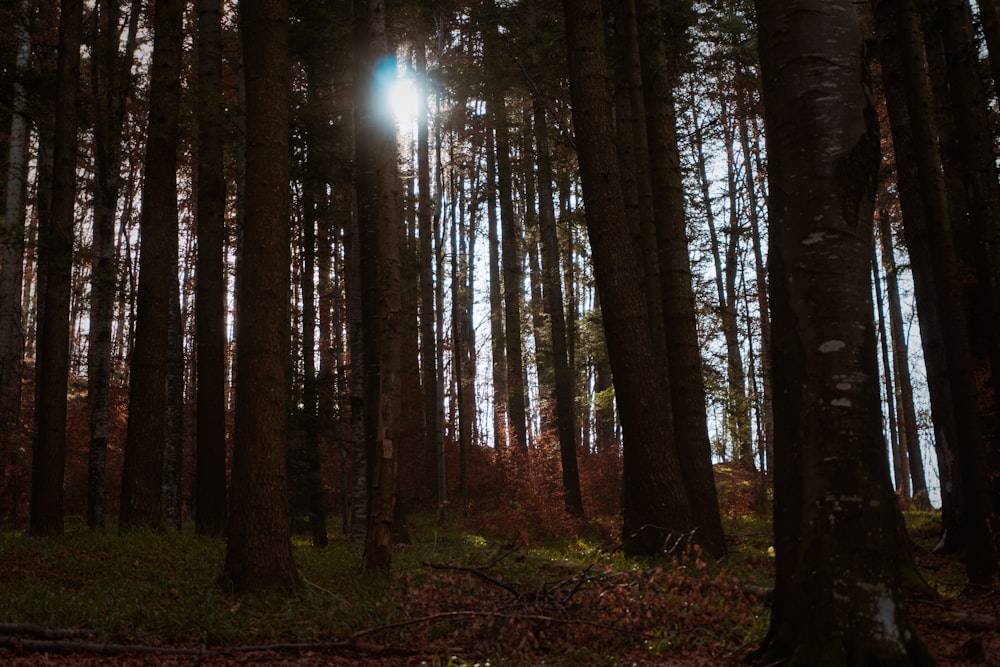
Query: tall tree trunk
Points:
[173, 418]
[687, 385]
[738, 407]
[837, 595]
[499, 365]
[897, 451]
[513, 277]
[259, 547]
[12, 246]
[565, 394]
[917, 237]
[380, 235]
[210, 288]
[142, 473]
[971, 446]
[55, 275]
[111, 82]
[907, 422]
[655, 504]
[433, 437]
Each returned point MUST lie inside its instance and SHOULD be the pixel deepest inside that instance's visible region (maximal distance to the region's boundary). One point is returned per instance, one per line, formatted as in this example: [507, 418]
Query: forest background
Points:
[444, 319]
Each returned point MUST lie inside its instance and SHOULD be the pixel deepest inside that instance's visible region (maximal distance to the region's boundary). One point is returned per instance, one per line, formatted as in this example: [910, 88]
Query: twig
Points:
[42, 632]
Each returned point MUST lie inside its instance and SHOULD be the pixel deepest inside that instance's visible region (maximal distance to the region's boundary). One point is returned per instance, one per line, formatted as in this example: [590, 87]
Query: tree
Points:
[564, 394]
[259, 549]
[111, 82]
[380, 231]
[684, 363]
[210, 289]
[655, 504]
[12, 263]
[837, 595]
[935, 225]
[55, 269]
[142, 473]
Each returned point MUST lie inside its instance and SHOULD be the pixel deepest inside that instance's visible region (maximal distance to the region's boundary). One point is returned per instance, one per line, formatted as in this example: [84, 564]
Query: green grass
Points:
[161, 589]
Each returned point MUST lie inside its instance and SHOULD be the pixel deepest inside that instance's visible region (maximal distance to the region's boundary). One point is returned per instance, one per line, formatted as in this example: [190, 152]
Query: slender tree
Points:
[12, 248]
[142, 473]
[837, 596]
[259, 548]
[210, 288]
[684, 364]
[379, 222]
[55, 274]
[655, 502]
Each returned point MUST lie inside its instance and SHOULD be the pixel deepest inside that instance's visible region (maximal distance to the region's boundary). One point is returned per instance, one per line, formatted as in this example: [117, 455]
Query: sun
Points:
[398, 94]
[404, 99]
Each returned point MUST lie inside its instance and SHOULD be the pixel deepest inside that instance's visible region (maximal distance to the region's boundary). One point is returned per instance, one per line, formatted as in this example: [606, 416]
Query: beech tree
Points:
[837, 595]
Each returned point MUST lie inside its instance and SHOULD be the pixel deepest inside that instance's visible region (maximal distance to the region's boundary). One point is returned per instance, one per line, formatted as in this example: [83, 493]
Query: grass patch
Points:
[558, 601]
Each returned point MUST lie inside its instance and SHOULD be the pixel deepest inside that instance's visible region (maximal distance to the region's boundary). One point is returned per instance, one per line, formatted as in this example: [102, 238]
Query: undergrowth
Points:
[457, 596]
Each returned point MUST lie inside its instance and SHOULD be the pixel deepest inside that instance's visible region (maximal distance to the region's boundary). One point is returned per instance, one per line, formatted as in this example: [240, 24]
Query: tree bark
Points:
[970, 446]
[655, 503]
[837, 596]
[379, 222]
[564, 390]
[684, 364]
[259, 547]
[917, 237]
[142, 473]
[55, 274]
[12, 246]
[210, 287]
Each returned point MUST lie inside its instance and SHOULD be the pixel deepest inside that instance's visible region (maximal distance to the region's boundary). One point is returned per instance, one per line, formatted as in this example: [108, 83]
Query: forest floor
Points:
[493, 590]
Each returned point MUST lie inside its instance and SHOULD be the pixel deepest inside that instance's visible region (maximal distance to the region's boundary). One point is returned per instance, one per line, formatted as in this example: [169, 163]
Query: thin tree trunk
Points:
[981, 562]
[917, 236]
[513, 279]
[433, 438]
[565, 395]
[907, 422]
[655, 503]
[687, 385]
[55, 264]
[897, 452]
[142, 473]
[259, 549]
[499, 365]
[12, 247]
[380, 236]
[210, 288]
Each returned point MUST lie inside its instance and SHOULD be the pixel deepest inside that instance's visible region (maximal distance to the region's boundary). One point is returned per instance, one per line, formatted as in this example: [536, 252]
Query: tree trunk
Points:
[657, 514]
[907, 422]
[687, 384]
[210, 288]
[499, 365]
[513, 278]
[837, 596]
[259, 548]
[897, 451]
[379, 223]
[917, 236]
[433, 438]
[142, 473]
[55, 275]
[12, 247]
[971, 446]
[565, 394]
